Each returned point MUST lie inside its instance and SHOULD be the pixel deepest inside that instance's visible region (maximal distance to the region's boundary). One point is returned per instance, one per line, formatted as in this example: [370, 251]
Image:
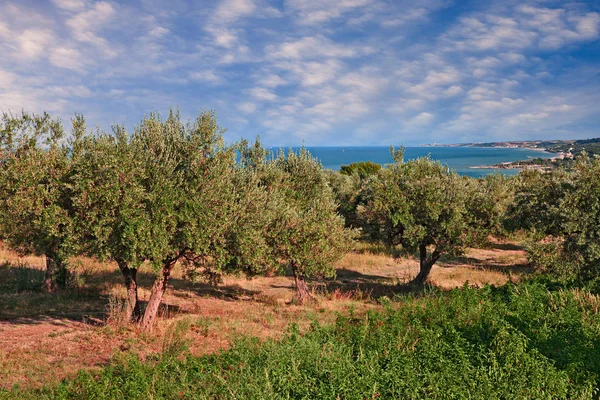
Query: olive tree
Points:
[581, 229]
[109, 199]
[347, 191]
[306, 233]
[189, 173]
[488, 201]
[295, 226]
[162, 194]
[255, 204]
[419, 205]
[363, 169]
[561, 210]
[35, 202]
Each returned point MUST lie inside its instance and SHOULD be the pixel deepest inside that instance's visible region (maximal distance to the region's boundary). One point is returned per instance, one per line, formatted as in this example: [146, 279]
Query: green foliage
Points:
[363, 169]
[487, 204]
[35, 182]
[256, 203]
[162, 192]
[538, 201]
[109, 198]
[417, 204]
[562, 210]
[285, 215]
[581, 229]
[306, 233]
[188, 184]
[347, 191]
[521, 341]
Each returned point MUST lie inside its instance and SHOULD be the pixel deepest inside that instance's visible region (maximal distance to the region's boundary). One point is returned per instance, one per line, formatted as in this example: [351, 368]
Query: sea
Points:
[460, 159]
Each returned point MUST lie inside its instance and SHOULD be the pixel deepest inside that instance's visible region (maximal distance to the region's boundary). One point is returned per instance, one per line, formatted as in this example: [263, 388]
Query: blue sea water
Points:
[459, 159]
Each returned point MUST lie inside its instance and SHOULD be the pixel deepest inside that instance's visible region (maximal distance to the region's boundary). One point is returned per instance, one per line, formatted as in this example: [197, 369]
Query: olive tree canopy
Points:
[419, 205]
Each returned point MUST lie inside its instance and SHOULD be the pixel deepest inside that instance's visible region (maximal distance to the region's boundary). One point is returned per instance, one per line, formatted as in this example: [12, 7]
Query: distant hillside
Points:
[592, 146]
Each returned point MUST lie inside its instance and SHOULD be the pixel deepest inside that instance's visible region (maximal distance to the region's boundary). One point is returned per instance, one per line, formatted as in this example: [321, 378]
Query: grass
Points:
[518, 341]
[45, 338]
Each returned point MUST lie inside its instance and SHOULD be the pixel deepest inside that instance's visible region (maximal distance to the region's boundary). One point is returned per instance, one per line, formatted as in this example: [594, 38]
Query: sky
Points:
[318, 72]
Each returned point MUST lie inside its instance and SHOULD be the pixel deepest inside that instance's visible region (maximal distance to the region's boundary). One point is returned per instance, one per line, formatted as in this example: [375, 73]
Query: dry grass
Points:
[44, 338]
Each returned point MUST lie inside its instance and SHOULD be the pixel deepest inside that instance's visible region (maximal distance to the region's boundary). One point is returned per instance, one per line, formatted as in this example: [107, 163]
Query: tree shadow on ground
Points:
[504, 246]
[377, 249]
[351, 283]
[205, 289]
[22, 300]
[485, 265]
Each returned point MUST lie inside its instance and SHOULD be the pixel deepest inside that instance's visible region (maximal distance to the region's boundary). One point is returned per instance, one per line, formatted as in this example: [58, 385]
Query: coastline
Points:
[519, 164]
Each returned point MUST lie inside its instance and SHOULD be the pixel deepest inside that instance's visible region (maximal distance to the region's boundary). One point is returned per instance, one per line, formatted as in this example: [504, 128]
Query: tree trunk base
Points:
[303, 294]
[132, 312]
[158, 289]
[49, 282]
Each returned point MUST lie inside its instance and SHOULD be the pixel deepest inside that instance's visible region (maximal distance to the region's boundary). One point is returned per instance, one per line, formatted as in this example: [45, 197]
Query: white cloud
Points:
[525, 118]
[247, 107]
[433, 80]
[488, 33]
[512, 58]
[323, 67]
[529, 27]
[66, 57]
[231, 10]
[368, 81]
[227, 38]
[158, 32]
[316, 12]
[85, 26]
[262, 94]
[314, 73]
[312, 47]
[272, 80]
[410, 15]
[33, 43]
[69, 5]
[205, 76]
[69, 91]
[454, 90]
[422, 119]
[6, 78]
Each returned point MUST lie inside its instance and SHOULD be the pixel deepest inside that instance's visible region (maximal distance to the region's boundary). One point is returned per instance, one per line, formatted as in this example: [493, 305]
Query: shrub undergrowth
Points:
[517, 341]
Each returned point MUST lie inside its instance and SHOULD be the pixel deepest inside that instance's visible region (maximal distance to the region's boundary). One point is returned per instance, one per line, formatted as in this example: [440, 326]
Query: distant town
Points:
[566, 151]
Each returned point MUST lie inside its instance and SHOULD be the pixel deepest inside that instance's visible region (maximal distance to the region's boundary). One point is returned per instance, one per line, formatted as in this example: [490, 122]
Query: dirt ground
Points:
[47, 337]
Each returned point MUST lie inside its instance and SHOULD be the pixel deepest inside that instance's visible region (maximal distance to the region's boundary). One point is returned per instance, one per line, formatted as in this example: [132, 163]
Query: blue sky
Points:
[322, 72]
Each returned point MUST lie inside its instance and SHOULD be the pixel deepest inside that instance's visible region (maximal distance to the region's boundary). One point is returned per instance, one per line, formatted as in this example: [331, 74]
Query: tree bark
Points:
[303, 295]
[132, 308]
[158, 289]
[425, 265]
[49, 283]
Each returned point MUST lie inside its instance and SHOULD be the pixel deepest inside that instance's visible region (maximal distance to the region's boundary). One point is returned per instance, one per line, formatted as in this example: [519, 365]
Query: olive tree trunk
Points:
[49, 282]
[303, 295]
[132, 307]
[158, 289]
[425, 265]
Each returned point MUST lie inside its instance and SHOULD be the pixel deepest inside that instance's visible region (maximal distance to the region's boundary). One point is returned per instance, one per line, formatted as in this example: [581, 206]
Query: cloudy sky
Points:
[322, 72]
